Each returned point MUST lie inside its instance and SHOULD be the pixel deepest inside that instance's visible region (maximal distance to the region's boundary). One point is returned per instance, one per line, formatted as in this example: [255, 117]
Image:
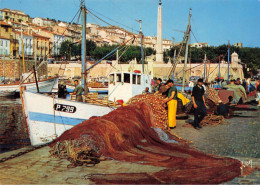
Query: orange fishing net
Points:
[130, 134]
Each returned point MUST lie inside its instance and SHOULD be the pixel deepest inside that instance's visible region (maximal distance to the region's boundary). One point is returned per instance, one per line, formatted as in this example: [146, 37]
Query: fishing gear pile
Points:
[159, 112]
[129, 134]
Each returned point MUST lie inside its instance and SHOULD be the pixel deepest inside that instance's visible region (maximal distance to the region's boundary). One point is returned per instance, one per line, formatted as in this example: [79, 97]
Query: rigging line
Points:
[192, 19]
[67, 27]
[194, 36]
[94, 19]
[63, 32]
[100, 18]
[126, 48]
[50, 49]
[177, 60]
[78, 17]
[113, 20]
[115, 52]
[116, 63]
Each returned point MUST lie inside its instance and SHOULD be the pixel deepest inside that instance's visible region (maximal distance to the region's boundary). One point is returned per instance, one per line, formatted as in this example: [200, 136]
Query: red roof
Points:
[26, 34]
[40, 36]
[1, 37]
[4, 23]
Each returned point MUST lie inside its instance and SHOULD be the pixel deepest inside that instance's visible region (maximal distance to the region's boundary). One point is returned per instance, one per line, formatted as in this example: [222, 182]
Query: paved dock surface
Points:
[237, 138]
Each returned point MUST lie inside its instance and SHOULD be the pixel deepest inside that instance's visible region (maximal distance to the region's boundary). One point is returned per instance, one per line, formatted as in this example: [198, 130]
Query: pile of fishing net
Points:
[212, 120]
[130, 134]
[159, 112]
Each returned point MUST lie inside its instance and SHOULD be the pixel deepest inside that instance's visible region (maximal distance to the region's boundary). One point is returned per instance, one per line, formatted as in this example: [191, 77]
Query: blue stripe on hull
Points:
[34, 116]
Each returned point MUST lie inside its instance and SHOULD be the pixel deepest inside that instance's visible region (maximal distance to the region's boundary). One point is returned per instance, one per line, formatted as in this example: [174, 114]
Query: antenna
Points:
[140, 22]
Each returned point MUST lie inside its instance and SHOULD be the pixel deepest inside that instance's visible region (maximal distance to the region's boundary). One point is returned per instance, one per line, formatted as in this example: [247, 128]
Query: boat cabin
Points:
[125, 85]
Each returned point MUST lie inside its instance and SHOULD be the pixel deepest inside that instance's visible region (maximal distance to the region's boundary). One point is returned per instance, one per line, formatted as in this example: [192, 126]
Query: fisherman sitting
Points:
[239, 91]
[146, 91]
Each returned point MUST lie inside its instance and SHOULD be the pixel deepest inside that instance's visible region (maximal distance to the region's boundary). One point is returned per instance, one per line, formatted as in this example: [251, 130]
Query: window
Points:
[1, 43]
[139, 79]
[127, 78]
[134, 79]
[118, 77]
[111, 78]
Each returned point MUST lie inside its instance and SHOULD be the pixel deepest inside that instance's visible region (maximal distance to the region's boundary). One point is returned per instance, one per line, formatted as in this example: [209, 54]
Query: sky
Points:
[213, 21]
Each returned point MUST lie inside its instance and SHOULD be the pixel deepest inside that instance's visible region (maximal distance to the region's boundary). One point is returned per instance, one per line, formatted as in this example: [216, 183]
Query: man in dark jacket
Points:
[199, 103]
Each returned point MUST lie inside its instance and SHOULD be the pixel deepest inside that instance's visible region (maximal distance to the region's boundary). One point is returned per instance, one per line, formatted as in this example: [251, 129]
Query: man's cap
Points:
[169, 81]
[200, 80]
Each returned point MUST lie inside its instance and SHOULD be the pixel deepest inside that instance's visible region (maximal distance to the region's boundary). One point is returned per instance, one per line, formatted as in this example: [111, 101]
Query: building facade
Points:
[41, 46]
[199, 45]
[57, 41]
[27, 45]
[13, 15]
[42, 22]
[238, 44]
[5, 35]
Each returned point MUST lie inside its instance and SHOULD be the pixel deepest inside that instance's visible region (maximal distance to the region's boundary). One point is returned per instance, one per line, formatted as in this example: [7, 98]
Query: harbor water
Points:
[13, 131]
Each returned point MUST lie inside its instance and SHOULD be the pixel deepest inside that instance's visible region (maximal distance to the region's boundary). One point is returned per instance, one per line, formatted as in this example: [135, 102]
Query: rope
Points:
[78, 152]
[212, 120]
[53, 44]
[55, 134]
[112, 20]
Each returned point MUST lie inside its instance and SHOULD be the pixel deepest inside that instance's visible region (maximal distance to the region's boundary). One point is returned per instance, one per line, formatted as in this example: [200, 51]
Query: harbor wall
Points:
[163, 70]
[14, 68]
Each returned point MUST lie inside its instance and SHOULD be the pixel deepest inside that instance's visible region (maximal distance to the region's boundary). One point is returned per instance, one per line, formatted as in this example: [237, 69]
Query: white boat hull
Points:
[44, 86]
[46, 121]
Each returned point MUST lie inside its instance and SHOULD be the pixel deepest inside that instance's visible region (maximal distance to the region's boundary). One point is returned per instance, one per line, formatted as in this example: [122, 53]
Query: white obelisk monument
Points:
[159, 48]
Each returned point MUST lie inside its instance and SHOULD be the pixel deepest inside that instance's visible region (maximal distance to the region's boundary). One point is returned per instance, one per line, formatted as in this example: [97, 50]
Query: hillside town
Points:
[42, 37]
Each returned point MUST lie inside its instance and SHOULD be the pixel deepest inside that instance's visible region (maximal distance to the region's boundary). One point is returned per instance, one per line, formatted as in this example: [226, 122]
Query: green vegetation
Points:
[69, 49]
[126, 54]
[249, 56]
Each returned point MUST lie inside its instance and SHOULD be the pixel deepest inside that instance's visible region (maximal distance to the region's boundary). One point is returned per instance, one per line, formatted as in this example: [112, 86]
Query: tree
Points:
[70, 49]
[65, 49]
[90, 47]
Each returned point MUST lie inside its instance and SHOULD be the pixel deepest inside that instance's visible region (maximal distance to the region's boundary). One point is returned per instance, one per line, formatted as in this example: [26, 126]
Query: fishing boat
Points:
[45, 86]
[47, 117]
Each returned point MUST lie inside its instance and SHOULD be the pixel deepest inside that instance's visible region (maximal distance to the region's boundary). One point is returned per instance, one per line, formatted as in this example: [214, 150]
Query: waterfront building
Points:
[199, 44]
[43, 22]
[27, 44]
[57, 41]
[238, 44]
[5, 35]
[13, 15]
[41, 46]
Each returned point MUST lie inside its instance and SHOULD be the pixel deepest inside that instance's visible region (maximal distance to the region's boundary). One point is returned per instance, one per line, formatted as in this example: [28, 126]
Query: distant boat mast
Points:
[83, 46]
[186, 39]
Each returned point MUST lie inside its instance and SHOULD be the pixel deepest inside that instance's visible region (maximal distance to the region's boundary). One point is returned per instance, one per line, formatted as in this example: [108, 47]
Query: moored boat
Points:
[52, 116]
[44, 85]
[47, 117]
